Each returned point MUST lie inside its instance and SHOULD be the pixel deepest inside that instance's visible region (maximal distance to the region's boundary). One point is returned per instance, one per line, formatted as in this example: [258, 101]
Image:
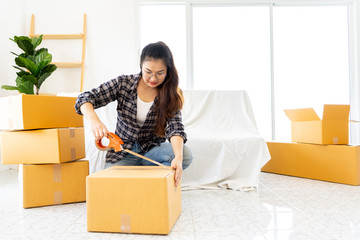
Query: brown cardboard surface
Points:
[334, 163]
[306, 126]
[132, 199]
[42, 146]
[35, 112]
[50, 184]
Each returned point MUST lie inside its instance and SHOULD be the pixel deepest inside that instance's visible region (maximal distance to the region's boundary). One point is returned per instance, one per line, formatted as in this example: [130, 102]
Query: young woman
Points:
[149, 105]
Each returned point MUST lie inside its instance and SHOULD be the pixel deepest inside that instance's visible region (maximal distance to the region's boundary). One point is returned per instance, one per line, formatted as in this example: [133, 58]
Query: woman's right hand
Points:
[97, 127]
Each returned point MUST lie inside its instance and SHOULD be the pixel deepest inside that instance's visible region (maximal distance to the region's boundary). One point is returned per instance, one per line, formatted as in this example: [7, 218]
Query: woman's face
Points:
[153, 72]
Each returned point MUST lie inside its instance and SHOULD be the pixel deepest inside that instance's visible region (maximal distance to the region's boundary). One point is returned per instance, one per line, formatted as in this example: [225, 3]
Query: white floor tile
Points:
[283, 208]
[229, 235]
[298, 235]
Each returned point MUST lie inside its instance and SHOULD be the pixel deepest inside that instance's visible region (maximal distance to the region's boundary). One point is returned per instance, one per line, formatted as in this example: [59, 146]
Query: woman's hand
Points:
[97, 127]
[176, 164]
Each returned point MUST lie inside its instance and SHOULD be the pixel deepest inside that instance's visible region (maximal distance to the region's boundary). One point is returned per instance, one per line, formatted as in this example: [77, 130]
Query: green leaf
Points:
[30, 78]
[8, 87]
[42, 59]
[27, 88]
[24, 86]
[25, 44]
[32, 58]
[45, 73]
[15, 54]
[29, 65]
[18, 68]
[19, 62]
[22, 73]
[48, 69]
[36, 41]
[37, 52]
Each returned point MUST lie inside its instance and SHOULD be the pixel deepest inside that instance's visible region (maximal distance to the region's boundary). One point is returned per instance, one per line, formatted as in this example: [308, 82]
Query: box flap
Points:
[302, 114]
[336, 112]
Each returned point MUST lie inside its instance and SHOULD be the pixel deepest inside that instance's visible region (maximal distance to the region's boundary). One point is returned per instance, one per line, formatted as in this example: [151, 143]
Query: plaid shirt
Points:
[124, 90]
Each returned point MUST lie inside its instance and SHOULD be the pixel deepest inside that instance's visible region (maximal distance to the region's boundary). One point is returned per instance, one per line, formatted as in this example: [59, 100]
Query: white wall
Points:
[111, 47]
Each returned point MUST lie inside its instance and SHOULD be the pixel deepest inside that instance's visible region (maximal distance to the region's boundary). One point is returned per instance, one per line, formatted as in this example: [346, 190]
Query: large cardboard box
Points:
[37, 111]
[56, 145]
[334, 163]
[307, 127]
[50, 184]
[132, 199]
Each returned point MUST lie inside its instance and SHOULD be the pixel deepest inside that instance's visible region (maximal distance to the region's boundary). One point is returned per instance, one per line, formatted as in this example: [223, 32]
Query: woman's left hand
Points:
[176, 164]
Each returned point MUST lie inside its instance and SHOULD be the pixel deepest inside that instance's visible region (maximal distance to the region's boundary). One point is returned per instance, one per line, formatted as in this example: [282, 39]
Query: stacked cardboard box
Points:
[319, 148]
[46, 137]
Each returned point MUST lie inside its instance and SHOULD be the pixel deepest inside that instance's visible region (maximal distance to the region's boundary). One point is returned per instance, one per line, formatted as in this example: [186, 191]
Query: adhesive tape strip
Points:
[72, 132]
[73, 153]
[58, 197]
[125, 221]
[57, 173]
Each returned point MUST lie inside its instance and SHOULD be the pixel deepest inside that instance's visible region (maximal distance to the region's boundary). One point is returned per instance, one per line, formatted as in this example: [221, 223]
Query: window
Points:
[166, 23]
[232, 52]
[311, 64]
[284, 56]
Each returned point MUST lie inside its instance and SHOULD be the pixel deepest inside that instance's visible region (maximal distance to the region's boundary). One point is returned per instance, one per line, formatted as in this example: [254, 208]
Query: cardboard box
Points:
[51, 184]
[333, 163]
[56, 145]
[132, 199]
[38, 111]
[307, 127]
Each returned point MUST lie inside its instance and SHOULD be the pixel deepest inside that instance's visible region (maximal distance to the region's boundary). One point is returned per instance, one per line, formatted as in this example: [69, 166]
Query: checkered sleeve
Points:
[175, 127]
[99, 97]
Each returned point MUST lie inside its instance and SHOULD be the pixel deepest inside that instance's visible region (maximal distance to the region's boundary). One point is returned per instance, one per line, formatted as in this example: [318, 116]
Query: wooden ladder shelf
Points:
[66, 36]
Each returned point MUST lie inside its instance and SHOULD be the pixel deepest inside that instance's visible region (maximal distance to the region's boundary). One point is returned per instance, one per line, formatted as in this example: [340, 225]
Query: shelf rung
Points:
[59, 36]
[67, 64]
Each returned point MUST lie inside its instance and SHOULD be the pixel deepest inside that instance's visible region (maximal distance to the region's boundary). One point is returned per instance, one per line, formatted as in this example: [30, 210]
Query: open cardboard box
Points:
[307, 127]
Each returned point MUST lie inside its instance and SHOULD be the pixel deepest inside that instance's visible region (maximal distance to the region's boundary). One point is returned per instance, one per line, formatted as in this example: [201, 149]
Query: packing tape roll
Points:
[73, 153]
[72, 132]
[125, 221]
[57, 173]
[58, 197]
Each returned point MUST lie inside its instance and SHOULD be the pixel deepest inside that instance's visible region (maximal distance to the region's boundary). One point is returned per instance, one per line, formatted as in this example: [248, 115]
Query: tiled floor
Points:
[284, 208]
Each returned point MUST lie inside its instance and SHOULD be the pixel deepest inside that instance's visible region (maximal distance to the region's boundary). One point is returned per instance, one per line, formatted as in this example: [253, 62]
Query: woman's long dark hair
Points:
[170, 98]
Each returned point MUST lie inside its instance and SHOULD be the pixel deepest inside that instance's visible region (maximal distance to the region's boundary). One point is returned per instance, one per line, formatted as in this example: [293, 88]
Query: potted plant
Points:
[34, 65]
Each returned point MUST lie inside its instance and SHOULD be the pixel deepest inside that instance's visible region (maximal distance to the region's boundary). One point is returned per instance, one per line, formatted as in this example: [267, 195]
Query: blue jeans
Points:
[162, 154]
